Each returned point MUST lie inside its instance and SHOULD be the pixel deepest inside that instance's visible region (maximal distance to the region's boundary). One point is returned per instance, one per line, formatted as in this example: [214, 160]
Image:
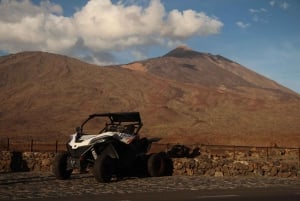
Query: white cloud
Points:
[260, 10]
[272, 3]
[284, 5]
[50, 7]
[24, 26]
[259, 15]
[280, 4]
[242, 24]
[251, 10]
[181, 25]
[99, 26]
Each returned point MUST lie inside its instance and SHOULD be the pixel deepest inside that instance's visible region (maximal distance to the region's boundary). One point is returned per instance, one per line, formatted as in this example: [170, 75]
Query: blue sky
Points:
[263, 35]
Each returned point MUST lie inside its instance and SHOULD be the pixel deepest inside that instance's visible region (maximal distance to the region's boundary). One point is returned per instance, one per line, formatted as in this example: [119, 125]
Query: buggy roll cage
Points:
[116, 119]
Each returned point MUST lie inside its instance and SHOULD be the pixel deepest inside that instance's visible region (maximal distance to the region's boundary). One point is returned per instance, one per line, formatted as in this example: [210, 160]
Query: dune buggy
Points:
[115, 151]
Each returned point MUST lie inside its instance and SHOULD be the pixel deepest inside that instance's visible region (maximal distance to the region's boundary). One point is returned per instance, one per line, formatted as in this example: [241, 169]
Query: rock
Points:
[284, 167]
[190, 172]
[200, 172]
[219, 174]
[241, 165]
[46, 162]
[178, 165]
[5, 165]
[266, 168]
[284, 174]
[210, 172]
[192, 164]
[28, 155]
[229, 154]
[255, 155]
[30, 164]
[273, 171]
[258, 172]
[250, 168]
[225, 170]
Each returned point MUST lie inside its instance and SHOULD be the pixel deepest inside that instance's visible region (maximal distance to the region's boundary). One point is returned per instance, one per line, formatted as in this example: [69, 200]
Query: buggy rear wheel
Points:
[104, 168]
[159, 164]
[60, 166]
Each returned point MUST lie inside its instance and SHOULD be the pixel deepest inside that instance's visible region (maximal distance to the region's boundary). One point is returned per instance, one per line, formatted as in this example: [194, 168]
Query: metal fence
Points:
[32, 145]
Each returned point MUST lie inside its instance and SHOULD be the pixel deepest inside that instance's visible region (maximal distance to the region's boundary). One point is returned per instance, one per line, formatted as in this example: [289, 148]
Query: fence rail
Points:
[32, 145]
[240, 152]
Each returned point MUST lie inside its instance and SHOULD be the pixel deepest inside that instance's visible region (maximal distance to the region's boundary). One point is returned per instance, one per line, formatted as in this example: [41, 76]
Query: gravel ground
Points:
[24, 185]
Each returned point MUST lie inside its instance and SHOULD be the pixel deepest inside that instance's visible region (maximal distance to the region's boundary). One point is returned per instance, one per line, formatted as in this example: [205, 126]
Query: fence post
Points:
[56, 146]
[31, 145]
[7, 143]
[299, 159]
[233, 152]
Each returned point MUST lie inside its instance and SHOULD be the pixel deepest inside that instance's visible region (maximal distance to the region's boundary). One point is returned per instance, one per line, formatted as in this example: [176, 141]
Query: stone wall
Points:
[223, 167]
[202, 164]
[25, 161]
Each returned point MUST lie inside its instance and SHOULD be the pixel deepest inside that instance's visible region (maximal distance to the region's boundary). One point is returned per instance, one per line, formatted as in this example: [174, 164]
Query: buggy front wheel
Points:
[60, 166]
[104, 168]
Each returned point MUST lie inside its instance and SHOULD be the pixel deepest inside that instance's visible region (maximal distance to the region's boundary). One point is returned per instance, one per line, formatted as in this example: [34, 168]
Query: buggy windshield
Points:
[124, 122]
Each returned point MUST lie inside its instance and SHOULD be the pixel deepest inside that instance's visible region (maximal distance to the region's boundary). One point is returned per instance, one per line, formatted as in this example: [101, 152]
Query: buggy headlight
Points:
[98, 140]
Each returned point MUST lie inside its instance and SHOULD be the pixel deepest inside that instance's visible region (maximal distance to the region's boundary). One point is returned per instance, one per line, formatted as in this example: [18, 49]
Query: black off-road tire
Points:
[159, 164]
[104, 168]
[60, 166]
[168, 165]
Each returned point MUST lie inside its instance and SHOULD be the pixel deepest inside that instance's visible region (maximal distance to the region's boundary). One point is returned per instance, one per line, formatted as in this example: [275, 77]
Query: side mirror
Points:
[78, 130]
[78, 133]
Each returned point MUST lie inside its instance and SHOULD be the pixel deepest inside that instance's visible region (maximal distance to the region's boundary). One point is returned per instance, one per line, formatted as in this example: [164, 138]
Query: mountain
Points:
[188, 66]
[184, 97]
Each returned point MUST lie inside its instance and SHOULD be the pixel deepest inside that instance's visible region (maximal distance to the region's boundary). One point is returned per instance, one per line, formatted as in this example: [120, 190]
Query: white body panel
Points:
[86, 140]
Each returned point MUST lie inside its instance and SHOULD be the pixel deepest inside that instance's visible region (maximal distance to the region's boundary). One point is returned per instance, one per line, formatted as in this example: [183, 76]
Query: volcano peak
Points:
[183, 52]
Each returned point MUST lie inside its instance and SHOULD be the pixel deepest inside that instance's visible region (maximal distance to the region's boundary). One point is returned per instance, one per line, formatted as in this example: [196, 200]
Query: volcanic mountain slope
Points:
[184, 96]
[188, 66]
